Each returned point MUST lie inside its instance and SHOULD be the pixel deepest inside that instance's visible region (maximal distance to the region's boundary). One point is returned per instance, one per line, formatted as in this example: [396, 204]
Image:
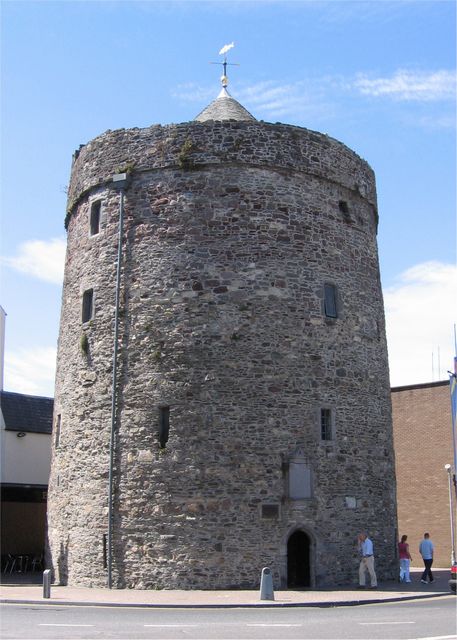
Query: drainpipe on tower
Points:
[120, 181]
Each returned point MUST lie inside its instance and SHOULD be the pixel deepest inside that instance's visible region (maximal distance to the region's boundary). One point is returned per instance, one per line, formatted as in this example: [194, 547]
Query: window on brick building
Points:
[88, 305]
[95, 211]
[330, 301]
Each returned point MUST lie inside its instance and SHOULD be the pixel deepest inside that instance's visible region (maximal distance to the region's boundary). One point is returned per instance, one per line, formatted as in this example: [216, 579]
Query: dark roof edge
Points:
[422, 385]
[26, 395]
[24, 485]
[38, 431]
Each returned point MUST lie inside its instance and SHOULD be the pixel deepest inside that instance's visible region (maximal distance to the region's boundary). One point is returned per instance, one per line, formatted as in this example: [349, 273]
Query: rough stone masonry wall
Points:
[231, 231]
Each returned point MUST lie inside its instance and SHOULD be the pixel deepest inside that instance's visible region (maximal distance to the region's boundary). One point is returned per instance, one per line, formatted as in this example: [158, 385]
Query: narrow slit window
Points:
[343, 206]
[326, 424]
[95, 210]
[164, 426]
[57, 434]
[344, 209]
[88, 305]
[105, 550]
[330, 301]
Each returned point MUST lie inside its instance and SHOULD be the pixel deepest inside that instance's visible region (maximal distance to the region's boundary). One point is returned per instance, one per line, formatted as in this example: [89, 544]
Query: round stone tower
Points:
[246, 422]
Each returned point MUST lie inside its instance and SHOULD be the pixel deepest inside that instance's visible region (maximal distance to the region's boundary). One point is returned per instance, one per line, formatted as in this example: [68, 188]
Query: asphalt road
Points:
[425, 619]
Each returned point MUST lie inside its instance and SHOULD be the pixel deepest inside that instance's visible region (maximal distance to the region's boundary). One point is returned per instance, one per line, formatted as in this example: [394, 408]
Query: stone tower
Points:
[247, 422]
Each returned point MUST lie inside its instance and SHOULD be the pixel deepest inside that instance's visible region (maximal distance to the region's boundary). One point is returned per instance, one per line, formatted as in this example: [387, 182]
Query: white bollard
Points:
[47, 583]
[266, 585]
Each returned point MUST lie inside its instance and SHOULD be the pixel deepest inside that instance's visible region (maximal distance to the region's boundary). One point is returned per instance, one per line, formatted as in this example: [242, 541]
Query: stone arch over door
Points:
[297, 553]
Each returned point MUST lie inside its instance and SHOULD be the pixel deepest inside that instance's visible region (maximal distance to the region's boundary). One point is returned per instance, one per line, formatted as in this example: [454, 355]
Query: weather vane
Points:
[223, 52]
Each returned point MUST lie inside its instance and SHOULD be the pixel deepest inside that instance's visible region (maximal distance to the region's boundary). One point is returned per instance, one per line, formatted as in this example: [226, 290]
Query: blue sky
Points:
[378, 75]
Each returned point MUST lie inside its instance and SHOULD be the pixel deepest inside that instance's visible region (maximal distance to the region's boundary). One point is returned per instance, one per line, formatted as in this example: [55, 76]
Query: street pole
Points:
[451, 512]
[120, 180]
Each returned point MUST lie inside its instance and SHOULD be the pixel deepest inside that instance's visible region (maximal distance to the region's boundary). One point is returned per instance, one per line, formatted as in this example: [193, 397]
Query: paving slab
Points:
[22, 591]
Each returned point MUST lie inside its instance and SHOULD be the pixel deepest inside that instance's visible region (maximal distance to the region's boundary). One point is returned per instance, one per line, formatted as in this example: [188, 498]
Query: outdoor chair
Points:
[37, 562]
[10, 563]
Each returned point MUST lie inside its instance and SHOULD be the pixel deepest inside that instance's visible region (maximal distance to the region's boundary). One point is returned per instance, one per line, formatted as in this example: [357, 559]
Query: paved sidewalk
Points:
[15, 592]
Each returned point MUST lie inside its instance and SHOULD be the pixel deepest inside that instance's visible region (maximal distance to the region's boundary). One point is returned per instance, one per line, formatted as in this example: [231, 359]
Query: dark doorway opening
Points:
[298, 560]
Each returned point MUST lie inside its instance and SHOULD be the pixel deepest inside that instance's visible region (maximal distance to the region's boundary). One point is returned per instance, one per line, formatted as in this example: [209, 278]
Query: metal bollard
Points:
[47, 583]
[266, 585]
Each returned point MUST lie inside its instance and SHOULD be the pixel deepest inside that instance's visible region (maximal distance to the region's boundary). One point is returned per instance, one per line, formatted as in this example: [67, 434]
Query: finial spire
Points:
[223, 52]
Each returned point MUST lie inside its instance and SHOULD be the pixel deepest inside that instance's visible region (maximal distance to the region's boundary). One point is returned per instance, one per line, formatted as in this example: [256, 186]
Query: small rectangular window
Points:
[88, 305]
[57, 431]
[326, 424]
[95, 217]
[330, 301]
[164, 426]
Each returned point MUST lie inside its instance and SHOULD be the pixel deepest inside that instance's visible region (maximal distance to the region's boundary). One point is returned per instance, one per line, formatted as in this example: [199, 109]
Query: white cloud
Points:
[420, 316]
[270, 99]
[361, 11]
[321, 98]
[432, 122]
[41, 259]
[277, 100]
[426, 86]
[192, 92]
[31, 371]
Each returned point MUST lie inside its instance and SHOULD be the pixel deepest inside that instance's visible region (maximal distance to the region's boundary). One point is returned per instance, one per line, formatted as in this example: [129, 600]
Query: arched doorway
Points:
[298, 560]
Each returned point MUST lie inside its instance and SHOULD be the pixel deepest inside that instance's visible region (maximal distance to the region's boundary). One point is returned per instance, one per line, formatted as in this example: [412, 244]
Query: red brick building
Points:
[423, 445]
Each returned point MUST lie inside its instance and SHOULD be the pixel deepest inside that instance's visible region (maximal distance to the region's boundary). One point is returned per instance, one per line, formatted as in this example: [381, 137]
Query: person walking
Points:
[365, 546]
[405, 558]
[426, 550]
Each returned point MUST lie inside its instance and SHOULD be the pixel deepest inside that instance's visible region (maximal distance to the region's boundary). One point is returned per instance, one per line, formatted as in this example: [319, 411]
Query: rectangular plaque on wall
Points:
[270, 511]
[299, 481]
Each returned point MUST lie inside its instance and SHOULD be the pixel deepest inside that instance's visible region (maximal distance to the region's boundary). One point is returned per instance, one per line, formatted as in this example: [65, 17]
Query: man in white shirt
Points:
[426, 549]
[366, 562]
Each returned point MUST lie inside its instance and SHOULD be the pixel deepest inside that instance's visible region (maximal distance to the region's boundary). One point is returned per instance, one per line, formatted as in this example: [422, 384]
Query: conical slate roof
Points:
[224, 108]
